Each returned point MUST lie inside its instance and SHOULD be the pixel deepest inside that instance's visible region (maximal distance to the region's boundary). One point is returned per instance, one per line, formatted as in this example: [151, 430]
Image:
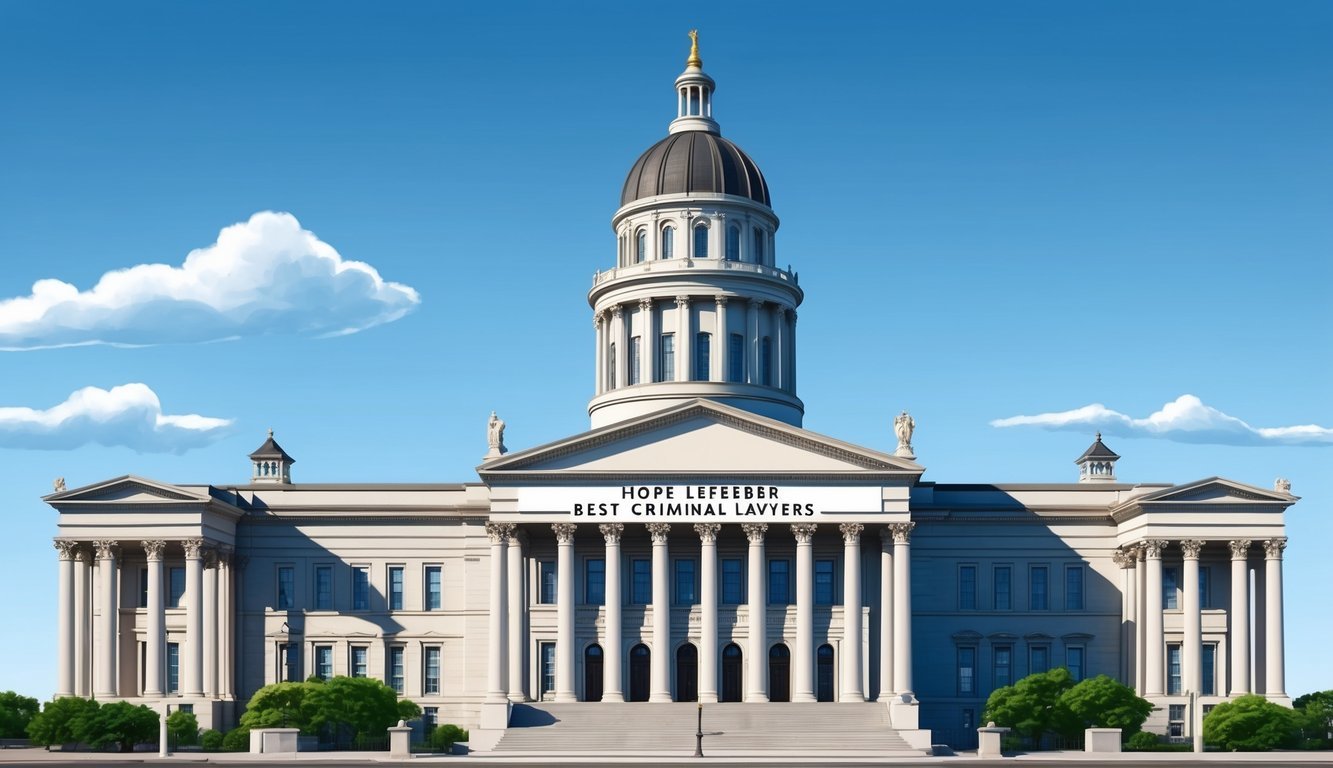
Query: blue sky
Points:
[997, 209]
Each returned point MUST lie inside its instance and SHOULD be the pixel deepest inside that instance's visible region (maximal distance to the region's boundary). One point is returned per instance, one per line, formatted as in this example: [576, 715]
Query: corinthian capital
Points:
[804, 532]
[707, 532]
[612, 532]
[1191, 548]
[902, 532]
[193, 547]
[1273, 548]
[499, 533]
[755, 532]
[106, 549]
[658, 532]
[564, 532]
[851, 532]
[66, 549]
[153, 548]
[1152, 548]
[1240, 549]
[1124, 557]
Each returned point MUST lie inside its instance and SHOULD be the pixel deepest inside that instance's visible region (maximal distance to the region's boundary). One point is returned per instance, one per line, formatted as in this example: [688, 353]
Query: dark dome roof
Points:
[694, 162]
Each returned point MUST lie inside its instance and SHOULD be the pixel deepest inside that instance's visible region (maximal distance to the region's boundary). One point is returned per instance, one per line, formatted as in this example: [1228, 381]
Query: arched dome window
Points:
[701, 241]
[759, 237]
[668, 241]
[733, 243]
[641, 246]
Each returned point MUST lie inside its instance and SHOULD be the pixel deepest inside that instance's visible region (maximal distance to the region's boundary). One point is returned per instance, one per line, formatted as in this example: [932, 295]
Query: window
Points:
[759, 246]
[701, 242]
[733, 243]
[1039, 658]
[1073, 588]
[433, 594]
[173, 667]
[176, 578]
[143, 587]
[611, 366]
[323, 587]
[547, 682]
[967, 587]
[1205, 586]
[1074, 662]
[641, 581]
[430, 717]
[967, 671]
[395, 587]
[1208, 686]
[594, 581]
[397, 668]
[1004, 665]
[1173, 669]
[547, 574]
[1170, 586]
[766, 361]
[736, 357]
[824, 582]
[702, 356]
[668, 241]
[779, 582]
[289, 662]
[1004, 588]
[431, 683]
[324, 662]
[360, 588]
[666, 358]
[620, 249]
[286, 587]
[684, 582]
[733, 581]
[641, 247]
[634, 349]
[360, 659]
[1038, 582]
[1175, 720]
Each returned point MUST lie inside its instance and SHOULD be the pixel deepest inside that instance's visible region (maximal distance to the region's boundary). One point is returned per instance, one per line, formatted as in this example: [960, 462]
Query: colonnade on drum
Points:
[715, 655]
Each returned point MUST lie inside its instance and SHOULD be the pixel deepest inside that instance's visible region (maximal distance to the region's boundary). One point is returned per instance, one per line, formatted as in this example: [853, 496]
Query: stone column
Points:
[599, 356]
[211, 623]
[659, 684]
[612, 665]
[108, 682]
[193, 682]
[886, 687]
[1153, 642]
[648, 365]
[65, 619]
[902, 607]
[564, 603]
[518, 680]
[778, 321]
[851, 613]
[496, 689]
[226, 623]
[83, 636]
[618, 340]
[156, 636]
[753, 375]
[1275, 673]
[1191, 650]
[803, 674]
[1125, 560]
[684, 339]
[791, 356]
[718, 354]
[707, 611]
[1141, 625]
[1239, 620]
[756, 656]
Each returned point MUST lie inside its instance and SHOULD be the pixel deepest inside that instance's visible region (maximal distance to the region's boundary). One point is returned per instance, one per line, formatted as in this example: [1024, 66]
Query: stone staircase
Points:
[793, 730]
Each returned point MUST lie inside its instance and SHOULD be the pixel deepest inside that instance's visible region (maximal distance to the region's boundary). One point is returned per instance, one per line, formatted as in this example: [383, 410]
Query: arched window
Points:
[620, 250]
[641, 247]
[733, 243]
[701, 241]
[759, 237]
[702, 356]
[668, 241]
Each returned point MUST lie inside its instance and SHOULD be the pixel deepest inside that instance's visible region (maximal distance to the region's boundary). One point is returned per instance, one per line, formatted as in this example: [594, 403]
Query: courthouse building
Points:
[696, 544]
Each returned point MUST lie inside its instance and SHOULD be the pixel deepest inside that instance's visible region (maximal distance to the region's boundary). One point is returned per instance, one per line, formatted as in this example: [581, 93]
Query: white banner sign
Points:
[715, 503]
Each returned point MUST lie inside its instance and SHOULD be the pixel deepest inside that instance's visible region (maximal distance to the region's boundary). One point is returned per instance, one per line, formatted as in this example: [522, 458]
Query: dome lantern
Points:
[694, 95]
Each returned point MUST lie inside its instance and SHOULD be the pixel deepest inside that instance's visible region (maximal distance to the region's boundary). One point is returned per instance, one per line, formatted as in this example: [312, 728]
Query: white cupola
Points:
[694, 95]
[1097, 464]
[270, 463]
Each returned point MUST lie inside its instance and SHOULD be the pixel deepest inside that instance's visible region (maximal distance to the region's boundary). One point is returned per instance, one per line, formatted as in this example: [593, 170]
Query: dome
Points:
[694, 162]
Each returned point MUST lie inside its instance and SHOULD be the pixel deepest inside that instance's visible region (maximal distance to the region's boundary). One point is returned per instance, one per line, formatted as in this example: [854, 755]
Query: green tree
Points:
[1100, 702]
[277, 706]
[353, 708]
[1249, 724]
[183, 727]
[55, 724]
[1315, 718]
[445, 736]
[118, 724]
[236, 740]
[211, 740]
[1032, 706]
[15, 713]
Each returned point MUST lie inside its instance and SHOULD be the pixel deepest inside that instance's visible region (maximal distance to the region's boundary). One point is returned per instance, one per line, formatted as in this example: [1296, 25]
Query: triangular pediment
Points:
[701, 437]
[1214, 490]
[127, 490]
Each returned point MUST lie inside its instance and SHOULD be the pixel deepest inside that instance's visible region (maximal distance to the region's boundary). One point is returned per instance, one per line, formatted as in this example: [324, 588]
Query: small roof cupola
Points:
[694, 95]
[270, 464]
[1097, 464]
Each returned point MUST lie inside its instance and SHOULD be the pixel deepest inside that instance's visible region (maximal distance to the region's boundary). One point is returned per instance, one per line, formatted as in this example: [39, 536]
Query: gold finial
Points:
[694, 60]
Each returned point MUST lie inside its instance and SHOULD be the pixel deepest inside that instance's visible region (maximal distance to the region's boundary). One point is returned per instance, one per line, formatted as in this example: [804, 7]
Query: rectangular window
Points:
[1073, 588]
[1205, 587]
[1004, 665]
[173, 667]
[433, 590]
[176, 576]
[289, 662]
[733, 581]
[286, 587]
[431, 683]
[1170, 587]
[430, 717]
[1175, 720]
[702, 356]
[1208, 686]
[1173, 669]
[641, 581]
[759, 246]
[395, 587]
[967, 671]
[1004, 576]
[547, 574]
[967, 587]
[397, 668]
[684, 582]
[736, 357]
[360, 588]
[324, 662]
[666, 358]
[594, 581]
[143, 587]
[635, 348]
[1039, 592]
[766, 361]
[825, 589]
[1039, 659]
[323, 587]
[360, 661]
[611, 366]
[547, 671]
[779, 582]
[1074, 662]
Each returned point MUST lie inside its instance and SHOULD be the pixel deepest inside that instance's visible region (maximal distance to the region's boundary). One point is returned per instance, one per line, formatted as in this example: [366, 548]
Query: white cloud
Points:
[129, 415]
[1185, 419]
[262, 276]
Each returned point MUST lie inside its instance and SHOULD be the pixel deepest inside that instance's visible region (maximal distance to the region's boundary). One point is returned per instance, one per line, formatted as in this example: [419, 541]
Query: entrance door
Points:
[687, 673]
[731, 672]
[546, 681]
[779, 673]
[638, 672]
[592, 673]
[824, 673]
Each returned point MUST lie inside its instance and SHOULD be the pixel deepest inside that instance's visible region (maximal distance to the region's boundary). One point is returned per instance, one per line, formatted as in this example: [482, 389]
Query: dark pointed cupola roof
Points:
[1097, 450]
[271, 450]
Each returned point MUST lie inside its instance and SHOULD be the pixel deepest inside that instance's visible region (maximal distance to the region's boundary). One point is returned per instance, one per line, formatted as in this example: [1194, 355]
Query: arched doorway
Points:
[687, 673]
[824, 673]
[638, 672]
[592, 673]
[779, 673]
[731, 672]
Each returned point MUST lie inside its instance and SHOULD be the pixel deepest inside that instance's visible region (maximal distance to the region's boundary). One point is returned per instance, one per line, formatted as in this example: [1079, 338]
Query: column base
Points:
[803, 698]
[659, 698]
[517, 698]
[756, 698]
[565, 697]
[708, 697]
[854, 697]
[613, 697]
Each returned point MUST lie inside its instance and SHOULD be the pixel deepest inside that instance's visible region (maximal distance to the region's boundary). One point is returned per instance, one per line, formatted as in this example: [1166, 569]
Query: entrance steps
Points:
[731, 729]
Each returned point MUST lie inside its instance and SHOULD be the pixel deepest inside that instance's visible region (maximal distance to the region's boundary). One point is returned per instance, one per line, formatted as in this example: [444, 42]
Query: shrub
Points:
[56, 723]
[211, 740]
[1250, 724]
[1100, 702]
[236, 740]
[1315, 718]
[1032, 706]
[445, 736]
[1142, 741]
[15, 713]
[183, 727]
[119, 724]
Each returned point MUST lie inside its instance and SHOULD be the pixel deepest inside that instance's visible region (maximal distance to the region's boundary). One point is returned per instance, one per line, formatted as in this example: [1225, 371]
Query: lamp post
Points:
[699, 733]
